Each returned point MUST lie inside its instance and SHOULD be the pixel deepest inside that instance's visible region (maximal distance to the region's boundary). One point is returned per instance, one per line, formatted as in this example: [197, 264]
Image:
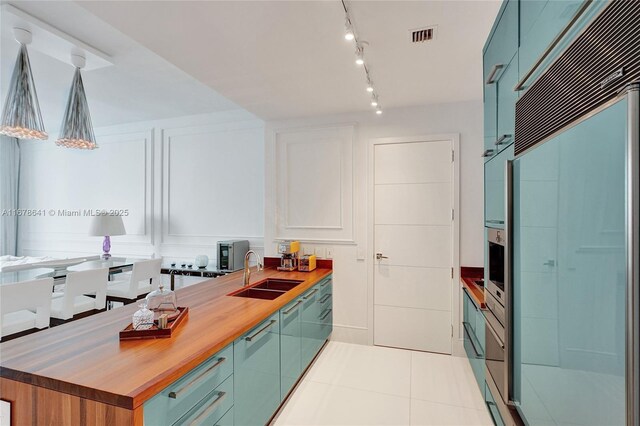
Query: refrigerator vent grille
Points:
[595, 67]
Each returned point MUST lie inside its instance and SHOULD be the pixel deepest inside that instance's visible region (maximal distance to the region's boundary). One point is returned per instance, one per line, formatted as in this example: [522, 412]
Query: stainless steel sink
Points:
[278, 284]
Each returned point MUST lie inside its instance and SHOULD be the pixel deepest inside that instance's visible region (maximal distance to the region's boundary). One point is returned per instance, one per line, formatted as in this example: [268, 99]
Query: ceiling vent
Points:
[423, 34]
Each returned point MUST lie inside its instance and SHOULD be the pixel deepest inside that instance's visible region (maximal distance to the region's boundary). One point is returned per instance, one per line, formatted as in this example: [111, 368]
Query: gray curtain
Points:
[9, 176]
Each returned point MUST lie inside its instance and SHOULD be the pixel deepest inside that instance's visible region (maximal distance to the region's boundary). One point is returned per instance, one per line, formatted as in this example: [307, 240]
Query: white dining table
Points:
[116, 265]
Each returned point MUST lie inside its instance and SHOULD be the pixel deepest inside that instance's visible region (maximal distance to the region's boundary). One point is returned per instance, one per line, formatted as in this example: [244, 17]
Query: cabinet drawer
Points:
[184, 394]
[212, 407]
[326, 285]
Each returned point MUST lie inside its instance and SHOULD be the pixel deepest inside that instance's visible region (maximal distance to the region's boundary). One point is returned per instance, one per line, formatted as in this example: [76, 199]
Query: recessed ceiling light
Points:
[378, 111]
[374, 103]
[370, 89]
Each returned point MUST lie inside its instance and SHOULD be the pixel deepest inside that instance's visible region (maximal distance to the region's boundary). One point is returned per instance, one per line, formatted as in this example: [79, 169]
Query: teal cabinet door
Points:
[529, 13]
[490, 107]
[290, 345]
[507, 98]
[494, 181]
[326, 309]
[311, 327]
[542, 22]
[472, 345]
[569, 274]
[257, 373]
[501, 47]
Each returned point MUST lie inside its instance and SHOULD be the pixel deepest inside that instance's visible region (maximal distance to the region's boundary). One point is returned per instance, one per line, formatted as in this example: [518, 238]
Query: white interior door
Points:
[413, 230]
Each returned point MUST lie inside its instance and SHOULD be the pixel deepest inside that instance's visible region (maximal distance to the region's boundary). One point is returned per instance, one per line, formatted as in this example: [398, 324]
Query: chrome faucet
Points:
[247, 271]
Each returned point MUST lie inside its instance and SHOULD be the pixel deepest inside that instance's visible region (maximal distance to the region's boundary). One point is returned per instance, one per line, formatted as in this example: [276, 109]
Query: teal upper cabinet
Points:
[541, 21]
[497, 58]
[257, 373]
[490, 109]
[507, 98]
[547, 27]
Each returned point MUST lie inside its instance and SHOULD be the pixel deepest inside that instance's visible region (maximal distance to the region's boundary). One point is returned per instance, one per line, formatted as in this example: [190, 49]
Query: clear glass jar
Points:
[142, 318]
[163, 301]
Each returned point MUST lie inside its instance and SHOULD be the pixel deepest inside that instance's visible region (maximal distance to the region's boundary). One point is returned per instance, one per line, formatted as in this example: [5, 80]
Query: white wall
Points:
[187, 183]
[351, 301]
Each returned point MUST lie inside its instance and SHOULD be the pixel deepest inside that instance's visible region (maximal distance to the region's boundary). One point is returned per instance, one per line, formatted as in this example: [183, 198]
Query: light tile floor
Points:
[371, 385]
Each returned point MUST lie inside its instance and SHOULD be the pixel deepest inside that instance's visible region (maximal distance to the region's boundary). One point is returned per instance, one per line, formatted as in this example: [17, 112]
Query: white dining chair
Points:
[24, 307]
[84, 294]
[145, 277]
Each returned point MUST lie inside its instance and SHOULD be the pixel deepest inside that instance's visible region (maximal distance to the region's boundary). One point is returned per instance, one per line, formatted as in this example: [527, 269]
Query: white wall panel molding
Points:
[158, 170]
[120, 177]
[315, 183]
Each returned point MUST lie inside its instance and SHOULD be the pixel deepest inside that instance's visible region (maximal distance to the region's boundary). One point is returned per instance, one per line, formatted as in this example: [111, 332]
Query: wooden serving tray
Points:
[154, 332]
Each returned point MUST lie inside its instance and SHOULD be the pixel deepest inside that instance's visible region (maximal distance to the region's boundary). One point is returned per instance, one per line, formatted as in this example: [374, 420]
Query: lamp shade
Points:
[21, 113]
[105, 225]
[77, 130]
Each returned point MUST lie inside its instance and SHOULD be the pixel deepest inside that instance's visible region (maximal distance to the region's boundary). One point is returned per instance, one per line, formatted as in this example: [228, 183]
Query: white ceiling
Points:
[277, 59]
[281, 59]
[140, 86]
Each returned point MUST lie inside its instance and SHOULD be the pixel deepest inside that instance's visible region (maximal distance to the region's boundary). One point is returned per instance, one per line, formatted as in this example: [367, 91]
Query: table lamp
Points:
[108, 226]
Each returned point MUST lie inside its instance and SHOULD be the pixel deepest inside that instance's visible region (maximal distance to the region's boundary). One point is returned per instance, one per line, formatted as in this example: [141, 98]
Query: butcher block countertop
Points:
[86, 358]
[468, 278]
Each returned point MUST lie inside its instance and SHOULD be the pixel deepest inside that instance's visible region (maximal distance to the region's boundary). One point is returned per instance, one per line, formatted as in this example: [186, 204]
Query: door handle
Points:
[176, 394]
[502, 139]
[259, 332]
[550, 263]
[379, 256]
[487, 153]
[491, 78]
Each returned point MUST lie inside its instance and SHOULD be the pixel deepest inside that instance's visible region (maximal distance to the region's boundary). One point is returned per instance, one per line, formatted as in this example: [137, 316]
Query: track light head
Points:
[348, 35]
[359, 56]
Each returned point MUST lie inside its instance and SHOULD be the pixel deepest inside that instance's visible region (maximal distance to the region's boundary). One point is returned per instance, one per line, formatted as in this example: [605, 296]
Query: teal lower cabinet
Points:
[491, 406]
[290, 345]
[257, 373]
[245, 383]
[305, 324]
[473, 325]
[206, 390]
[311, 327]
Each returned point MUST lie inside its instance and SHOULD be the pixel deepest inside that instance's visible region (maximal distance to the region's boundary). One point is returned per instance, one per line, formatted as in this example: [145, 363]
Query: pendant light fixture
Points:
[77, 130]
[21, 116]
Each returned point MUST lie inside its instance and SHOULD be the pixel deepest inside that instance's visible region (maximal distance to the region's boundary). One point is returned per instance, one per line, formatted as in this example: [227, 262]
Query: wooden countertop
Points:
[468, 276]
[87, 359]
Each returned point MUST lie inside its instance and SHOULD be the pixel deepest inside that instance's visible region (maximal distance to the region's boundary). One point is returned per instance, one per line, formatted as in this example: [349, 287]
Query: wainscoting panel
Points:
[65, 184]
[315, 183]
